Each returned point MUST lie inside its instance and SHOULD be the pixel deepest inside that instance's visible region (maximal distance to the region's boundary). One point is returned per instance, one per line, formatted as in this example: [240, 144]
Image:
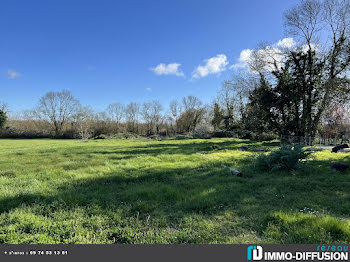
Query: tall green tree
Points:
[3, 119]
[218, 117]
[319, 76]
[260, 113]
[305, 80]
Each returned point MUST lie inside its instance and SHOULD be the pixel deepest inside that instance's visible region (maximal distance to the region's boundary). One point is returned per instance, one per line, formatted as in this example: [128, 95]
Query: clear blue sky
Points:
[103, 51]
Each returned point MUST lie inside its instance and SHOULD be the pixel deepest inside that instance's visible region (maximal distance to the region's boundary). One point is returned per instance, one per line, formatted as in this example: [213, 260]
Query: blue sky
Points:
[113, 51]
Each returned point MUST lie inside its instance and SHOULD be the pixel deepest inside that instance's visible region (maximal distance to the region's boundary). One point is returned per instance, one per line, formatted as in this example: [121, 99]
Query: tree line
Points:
[299, 90]
[61, 115]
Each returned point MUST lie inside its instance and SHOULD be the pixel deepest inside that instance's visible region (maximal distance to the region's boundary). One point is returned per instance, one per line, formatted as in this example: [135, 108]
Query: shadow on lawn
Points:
[189, 148]
[207, 190]
[165, 189]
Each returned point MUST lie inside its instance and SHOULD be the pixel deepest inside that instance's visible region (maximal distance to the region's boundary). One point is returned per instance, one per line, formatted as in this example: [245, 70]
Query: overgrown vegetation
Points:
[149, 191]
[285, 158]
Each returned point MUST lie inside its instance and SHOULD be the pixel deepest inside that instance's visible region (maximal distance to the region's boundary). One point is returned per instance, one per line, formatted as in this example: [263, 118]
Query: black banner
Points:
[187, 252]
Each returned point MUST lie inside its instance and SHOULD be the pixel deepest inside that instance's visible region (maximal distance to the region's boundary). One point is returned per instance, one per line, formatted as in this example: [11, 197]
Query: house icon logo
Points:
[254, 253]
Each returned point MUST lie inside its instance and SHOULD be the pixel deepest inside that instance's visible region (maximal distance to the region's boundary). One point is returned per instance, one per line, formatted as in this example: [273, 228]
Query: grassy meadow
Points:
[146, 191]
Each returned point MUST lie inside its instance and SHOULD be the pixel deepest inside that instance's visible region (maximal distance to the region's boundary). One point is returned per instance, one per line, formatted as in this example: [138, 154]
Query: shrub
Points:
[68, 134]
[285, 158]
[227, 133]
[267, 136]
[14, 132]
[202, 131]
[129, 135]
[155, 137]
[183, 137]
[119, 136]
[125, 135]
[102, 136]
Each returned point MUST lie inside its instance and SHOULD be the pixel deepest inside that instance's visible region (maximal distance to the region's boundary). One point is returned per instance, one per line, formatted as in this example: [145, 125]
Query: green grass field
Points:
[142, 191]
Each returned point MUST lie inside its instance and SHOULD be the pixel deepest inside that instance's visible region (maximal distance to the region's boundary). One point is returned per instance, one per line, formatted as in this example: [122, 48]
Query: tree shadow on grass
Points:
[208, 191]
[154, 149]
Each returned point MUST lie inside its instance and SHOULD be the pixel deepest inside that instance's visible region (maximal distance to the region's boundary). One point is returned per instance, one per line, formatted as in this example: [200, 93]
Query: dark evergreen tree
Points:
[261, 114]
[218, 117]
[3, 119]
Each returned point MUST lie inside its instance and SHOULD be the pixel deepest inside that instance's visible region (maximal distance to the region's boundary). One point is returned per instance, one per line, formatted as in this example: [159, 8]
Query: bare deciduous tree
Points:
[57, 108]
[175, 110]
[336, 121]
[234, 94]
[151, 113]
[304, 20]
[192, 114]
[4, 107]
[132, 111]
[156, 112]
[83, 121]
[116, 112]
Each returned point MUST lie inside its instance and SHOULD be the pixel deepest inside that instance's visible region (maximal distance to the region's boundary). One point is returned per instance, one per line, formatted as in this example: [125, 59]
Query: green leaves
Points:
[285, 158]
[3, 119]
